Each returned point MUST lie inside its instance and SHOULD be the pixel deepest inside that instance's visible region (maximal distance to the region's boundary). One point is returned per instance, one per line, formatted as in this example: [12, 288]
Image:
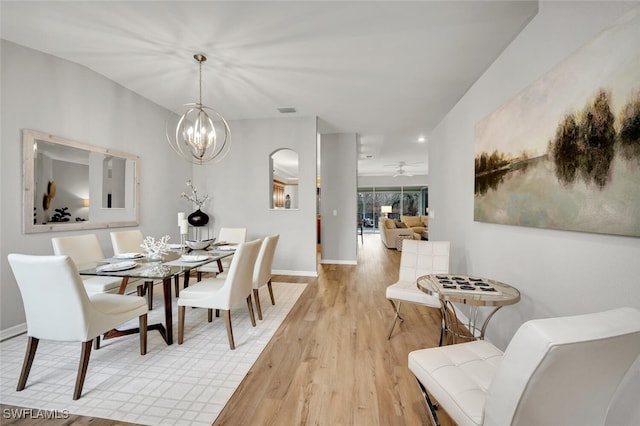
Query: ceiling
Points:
[386, 70]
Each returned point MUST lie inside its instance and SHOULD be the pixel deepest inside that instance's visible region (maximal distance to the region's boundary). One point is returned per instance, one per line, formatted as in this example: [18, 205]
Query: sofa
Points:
[412, 226]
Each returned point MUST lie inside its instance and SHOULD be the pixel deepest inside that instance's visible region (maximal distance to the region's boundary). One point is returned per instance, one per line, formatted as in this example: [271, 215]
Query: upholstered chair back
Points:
[81, 248]
[420, 258]
[127, 241]
[262, 270]
[55, 302]
[564, 371]
[232, 235]
[238, 283]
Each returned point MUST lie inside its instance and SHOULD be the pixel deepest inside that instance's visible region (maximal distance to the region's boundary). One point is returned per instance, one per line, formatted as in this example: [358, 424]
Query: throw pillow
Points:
[389, 224]
[400, 224]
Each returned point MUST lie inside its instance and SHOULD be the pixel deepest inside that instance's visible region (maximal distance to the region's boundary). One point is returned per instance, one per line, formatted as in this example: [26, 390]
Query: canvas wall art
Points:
[565, 152]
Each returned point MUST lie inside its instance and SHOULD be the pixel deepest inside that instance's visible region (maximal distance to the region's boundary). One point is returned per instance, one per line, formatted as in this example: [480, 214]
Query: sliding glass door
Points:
[403, 200]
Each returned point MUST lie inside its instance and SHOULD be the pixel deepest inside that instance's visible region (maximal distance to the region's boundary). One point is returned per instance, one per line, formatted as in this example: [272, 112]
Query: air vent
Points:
[287, 110]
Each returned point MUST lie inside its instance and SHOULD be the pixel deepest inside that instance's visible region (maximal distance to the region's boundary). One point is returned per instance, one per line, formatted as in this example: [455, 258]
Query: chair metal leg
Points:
[273, 301]
[181, 310]
[32, 346]
[143, 334]
[396, 310]
[227, 320]
[82, 368]
[256, 297]
[432, 406]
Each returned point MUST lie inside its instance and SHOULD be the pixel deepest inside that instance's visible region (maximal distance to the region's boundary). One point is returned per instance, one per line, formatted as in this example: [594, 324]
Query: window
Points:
[404, 201]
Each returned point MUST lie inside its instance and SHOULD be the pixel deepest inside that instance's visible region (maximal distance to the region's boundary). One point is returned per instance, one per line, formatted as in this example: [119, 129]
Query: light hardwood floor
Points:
[330, 362]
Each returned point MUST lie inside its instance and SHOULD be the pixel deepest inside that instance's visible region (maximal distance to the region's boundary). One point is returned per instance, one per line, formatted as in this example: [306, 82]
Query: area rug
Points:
[170, 385]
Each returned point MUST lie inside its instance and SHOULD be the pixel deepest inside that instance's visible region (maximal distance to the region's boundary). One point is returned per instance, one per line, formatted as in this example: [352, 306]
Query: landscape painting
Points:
[565, 152]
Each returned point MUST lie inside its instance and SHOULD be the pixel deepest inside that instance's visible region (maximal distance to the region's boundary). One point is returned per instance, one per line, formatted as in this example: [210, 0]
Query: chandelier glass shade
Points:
[201, 134]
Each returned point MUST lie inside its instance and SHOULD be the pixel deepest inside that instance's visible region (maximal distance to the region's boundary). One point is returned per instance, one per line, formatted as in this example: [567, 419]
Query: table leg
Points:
[168, 310]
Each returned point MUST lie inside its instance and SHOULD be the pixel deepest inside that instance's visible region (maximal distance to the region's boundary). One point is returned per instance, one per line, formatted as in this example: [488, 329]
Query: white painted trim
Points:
[338, 262]
[13, 331]
[294, 273]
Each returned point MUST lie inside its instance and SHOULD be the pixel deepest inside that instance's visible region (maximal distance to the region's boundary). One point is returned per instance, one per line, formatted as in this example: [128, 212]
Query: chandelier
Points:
[201, 133]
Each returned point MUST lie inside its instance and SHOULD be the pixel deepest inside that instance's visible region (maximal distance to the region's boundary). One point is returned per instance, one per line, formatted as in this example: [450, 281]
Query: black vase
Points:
[198, 218]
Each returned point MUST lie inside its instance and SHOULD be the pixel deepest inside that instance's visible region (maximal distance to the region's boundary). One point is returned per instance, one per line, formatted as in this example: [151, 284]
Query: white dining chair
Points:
[555, 371]
[128, 242]
[222, 294]
[262, 270]
[418, 258]
[57, 307]
[229, 236]
[85, 249]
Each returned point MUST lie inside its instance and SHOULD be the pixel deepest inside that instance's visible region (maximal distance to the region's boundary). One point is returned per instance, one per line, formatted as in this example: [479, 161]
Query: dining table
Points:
[170, 266]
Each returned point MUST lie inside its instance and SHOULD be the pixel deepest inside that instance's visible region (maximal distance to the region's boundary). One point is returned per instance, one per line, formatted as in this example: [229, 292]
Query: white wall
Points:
[387, 181]
[238, 188]
[45, 93]
[558, 273]
[338, 198]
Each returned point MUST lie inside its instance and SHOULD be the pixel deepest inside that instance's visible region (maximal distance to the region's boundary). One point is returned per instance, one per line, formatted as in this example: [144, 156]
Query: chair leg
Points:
[209, 315]
[143, 334]
[227, 320]
[177, 284]
[443, 324]
[396, 310]
[256, 297]
[273, 301]
[181, 310]
[199, 275]
[432, 406]
[96, 344]
[82, 368]
[32, 346]
[251, 314]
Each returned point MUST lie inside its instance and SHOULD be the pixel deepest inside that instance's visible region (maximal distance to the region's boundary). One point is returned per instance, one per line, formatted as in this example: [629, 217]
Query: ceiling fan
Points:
[400, 168]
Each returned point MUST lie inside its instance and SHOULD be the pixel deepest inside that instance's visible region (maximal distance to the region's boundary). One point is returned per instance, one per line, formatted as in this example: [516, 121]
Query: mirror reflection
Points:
[70, 185]
[284, 179]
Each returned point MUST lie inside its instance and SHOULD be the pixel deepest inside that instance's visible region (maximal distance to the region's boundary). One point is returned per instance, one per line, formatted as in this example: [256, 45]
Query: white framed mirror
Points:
[283, 166]
[70, 185]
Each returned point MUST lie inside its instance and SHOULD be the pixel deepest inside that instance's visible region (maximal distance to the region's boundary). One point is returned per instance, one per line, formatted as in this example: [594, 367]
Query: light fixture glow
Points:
[195, 137]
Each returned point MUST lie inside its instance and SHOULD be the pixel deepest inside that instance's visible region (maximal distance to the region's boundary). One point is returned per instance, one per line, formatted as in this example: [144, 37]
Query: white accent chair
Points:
[57, 307]
[131, 242]
[223, 293]
[230, 236]
[555, 371]
[86, 249]
[262, 270]
[418, 258]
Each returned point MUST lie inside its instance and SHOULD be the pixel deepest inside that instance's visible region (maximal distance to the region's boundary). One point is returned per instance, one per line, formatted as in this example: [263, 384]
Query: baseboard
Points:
[294, 273]
[13, 331]
[338, 262]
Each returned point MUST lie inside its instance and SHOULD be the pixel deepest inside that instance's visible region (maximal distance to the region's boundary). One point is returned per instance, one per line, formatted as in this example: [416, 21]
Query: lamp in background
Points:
[85, 202]
[201, 133]
[386, 210]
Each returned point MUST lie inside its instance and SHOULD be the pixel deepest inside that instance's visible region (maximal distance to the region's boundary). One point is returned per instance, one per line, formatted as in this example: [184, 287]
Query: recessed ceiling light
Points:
[287, 110]
[421, 139]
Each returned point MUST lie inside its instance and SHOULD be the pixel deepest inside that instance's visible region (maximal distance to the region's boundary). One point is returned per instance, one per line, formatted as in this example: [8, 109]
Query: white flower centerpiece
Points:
[154, 249]
[193, 197]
